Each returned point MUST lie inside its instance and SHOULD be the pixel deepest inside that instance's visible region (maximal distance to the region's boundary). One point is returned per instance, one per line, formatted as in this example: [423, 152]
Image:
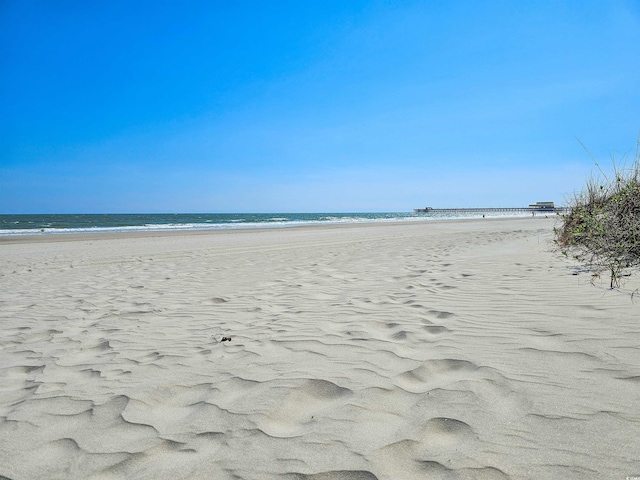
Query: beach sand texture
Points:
[457, 349]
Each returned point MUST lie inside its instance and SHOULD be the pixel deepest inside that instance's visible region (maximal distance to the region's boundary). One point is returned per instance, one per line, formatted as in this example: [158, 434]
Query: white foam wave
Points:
[273, 222]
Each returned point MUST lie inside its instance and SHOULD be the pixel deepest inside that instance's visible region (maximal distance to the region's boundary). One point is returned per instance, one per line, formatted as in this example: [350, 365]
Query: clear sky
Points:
[310, 106]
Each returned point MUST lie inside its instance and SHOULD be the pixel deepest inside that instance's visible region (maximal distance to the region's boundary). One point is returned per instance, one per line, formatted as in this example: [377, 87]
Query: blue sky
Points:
[310, 106]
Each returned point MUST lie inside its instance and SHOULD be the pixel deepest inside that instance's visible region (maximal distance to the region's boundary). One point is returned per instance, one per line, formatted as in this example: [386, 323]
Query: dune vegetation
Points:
[602, 226]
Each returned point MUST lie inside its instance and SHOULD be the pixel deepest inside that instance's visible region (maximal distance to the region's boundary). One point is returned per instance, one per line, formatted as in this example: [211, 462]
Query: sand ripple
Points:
[457, 350]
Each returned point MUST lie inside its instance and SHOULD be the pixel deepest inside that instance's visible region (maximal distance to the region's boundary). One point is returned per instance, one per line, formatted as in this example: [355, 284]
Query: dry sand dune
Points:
[439, 350]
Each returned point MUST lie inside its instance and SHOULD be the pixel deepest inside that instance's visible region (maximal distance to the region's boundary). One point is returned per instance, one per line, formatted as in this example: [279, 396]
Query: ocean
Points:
[81, 223]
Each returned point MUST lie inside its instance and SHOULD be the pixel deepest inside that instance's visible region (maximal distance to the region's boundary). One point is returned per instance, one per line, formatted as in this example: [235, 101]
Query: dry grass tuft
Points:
[602, 227]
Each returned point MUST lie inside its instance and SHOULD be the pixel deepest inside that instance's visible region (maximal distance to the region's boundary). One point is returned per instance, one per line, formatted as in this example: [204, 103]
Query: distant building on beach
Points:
[543, 206]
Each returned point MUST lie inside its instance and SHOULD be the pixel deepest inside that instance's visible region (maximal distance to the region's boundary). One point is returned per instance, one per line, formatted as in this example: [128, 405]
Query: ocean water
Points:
[70, 223]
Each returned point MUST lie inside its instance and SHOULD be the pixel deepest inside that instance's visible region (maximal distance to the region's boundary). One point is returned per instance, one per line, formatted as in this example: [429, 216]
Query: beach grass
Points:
[602, 228]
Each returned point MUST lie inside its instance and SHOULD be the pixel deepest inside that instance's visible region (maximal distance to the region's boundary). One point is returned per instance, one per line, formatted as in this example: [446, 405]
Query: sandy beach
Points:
[454, 350]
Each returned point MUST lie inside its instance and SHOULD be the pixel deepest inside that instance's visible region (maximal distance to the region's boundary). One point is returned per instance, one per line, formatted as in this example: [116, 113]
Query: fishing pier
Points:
[539, 207]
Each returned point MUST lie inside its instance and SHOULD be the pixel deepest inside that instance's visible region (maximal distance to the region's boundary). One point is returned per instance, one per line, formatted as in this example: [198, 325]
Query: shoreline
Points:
[52, 237]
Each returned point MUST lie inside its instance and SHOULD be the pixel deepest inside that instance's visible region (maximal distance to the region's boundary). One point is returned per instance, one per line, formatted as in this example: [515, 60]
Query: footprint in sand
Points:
[443, 431]
[301, 407]
[431, 456]
[435, 330]
[401, 335]
[434, 374]
[216, 301]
